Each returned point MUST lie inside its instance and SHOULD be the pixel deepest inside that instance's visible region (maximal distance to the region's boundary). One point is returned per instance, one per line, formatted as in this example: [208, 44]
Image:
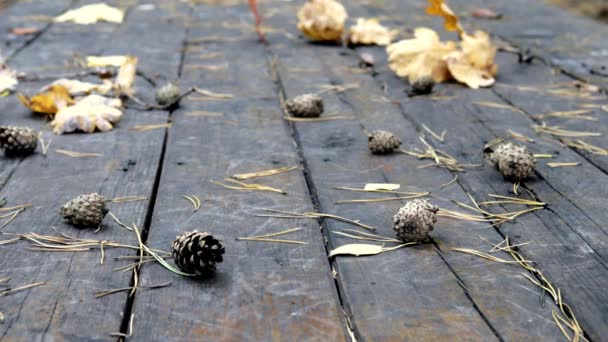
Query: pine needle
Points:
[334, 88]
[520, 137]
[20, 288]
[441, 159]
[558, 131]
[265, 173]
[449, 183]
[485, 255]
[75, 154]
[572, 114]
[358, 235]
[319, 119]
[16, 207]
[315, 215]
[118, 221]
[128, 199]
[384, 199]
[378, 191]
[562, 164]
[43, 144]
[581, 145]
[196, 202]
[441, 137]
[100, 294]
[246, 186]
[144, 128]
[541, 155]
[212, 94]
[498, 105]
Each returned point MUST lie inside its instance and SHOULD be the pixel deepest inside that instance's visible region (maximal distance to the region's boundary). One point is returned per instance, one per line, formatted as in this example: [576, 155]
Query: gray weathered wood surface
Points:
[271, 291]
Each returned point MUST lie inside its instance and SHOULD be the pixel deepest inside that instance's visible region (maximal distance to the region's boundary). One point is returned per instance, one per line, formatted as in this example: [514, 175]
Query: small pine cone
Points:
[18, 140]
[168, 93]
[197, 253]
[422, 86]
[513, 161]
[381, 142]
[85, 210]
[415, 220]
[305, 106]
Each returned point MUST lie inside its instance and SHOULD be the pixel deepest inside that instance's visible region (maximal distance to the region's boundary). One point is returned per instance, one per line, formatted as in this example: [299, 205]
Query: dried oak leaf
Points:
[90, 113]
[322, 20]
[370, 32]
[439, 8]
[90, 14]
[123, 84]
[463, 71]
[50, 101]
[420, 57]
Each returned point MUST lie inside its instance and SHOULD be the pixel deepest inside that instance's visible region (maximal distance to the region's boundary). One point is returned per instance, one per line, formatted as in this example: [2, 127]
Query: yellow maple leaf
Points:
[463, 71]
[370, 32]
[49, 101]
[479, 51]
[93, 112]
[439, 8]
[322, 20]
[420, 57]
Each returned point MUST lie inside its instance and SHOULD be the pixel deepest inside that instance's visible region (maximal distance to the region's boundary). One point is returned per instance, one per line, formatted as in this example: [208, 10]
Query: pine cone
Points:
[513, 161]
[381, 142]
[197, 253]
[85, 210]
[167, 93]
[18, 140]
[415, 220]
[305, 106]
[422, 86]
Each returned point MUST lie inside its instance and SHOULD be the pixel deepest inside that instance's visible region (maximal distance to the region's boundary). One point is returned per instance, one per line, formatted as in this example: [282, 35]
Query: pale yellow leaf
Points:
[8, 78]
[90, 14]
[93, 112]
[381, 186]
[478, 50]
[104, 61]
[79, 87]
[357, 249]
[125, 79]
[420, 57]
[370, 32]
[322, 20]
[466, 73]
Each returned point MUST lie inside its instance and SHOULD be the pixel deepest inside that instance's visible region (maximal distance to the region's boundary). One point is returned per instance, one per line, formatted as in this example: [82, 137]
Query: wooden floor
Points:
[286, 292]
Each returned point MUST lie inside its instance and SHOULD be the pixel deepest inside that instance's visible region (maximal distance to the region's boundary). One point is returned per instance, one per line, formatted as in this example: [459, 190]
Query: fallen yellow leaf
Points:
[479, 51]
[322, 20]
[123, 83]
[90, 113]
[79, 87]
[370, 32]
[103, 61]
[463, 71]
[49, 101]
[439, 8]
[420, 57]
[90, 14]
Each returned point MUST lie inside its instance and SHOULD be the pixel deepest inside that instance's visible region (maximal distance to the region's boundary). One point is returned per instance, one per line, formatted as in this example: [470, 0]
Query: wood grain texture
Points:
[65, 308]
[262, 291]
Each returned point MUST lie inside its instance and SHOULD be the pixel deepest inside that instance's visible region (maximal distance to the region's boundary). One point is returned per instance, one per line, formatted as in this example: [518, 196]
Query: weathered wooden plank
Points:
[564, 232]
[262, 291]
[65, 308]
[394, 306]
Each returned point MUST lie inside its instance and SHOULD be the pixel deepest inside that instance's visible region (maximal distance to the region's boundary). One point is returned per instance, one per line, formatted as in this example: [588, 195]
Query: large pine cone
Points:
[197, 253]
[85, 210]
[18, 140]
[415, 220]
[513, 161]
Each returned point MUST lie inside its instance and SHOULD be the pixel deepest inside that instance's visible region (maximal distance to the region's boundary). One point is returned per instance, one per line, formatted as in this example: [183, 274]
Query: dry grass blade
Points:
[20, 288]
[335, 88]
[212, 94]
[581, 145]
[498, 105]
[118, 222]
[323, 118]
[441, 137]
[128, 199]
[196, 202]
[75, 154]
[246, 186]
[563, 164]
[571, 114]
[265, 173]
[144, 128]
[100, 294]
[520, 137]
[558, 131]
[384, 199]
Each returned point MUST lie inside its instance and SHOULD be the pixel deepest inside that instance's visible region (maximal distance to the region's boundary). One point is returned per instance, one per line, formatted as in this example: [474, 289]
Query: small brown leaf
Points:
[484, 13]
[24, 31]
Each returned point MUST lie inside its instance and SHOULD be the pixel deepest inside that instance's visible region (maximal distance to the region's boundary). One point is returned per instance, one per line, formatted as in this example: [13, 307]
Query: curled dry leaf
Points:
[322, 20]
[479, 51]
[90, 113]
[420, 57]
[90, 14]
[78, 87]
[439, 8]
[370, 32]
[123, 84]
[50, 101]
[463, 71]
